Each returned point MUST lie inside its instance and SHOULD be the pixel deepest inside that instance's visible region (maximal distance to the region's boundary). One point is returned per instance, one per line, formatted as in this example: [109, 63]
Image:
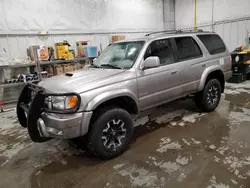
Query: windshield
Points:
[119, 55]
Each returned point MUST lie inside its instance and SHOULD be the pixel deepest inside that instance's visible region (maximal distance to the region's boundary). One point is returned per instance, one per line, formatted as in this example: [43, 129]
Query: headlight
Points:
[64, 102]
[58, 103]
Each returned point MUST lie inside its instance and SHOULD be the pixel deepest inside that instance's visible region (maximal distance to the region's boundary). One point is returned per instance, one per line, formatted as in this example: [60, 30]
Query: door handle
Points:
[204, 65]
[174, 72]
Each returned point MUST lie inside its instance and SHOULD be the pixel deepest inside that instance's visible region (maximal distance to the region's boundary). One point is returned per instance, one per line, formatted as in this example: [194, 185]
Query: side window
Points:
[162, 49]
[213, 43]
[187, 48]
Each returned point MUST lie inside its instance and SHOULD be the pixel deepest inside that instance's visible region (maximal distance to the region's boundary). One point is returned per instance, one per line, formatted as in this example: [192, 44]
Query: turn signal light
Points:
[72, 101]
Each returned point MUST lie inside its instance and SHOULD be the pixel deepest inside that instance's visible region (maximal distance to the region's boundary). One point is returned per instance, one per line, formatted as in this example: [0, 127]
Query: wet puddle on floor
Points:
[176, 147]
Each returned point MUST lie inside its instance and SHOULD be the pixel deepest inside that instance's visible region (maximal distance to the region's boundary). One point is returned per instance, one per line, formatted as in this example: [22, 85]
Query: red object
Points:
[1, 106]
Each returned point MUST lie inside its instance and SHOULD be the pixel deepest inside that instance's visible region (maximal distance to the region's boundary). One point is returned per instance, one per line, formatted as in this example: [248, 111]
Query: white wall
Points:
[229, 18]
[169, 14]
[73, 20]
[85, 15]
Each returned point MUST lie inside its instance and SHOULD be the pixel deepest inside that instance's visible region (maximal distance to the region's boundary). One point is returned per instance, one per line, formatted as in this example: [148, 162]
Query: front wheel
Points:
[111, 132]
[208, 99]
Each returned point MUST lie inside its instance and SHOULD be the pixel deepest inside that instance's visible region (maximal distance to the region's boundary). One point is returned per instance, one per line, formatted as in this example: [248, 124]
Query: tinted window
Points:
[213, 43]
[162, 49]
[187, 48]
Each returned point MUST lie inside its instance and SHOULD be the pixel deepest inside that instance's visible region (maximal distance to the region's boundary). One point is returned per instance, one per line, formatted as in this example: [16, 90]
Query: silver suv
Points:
[99, 103]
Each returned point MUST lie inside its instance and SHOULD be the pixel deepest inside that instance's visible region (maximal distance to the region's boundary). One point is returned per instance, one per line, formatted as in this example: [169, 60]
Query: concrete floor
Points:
[177, 148]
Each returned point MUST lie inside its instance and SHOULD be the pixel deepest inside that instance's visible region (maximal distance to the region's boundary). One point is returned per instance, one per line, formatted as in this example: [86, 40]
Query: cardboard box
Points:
[58, 69]
[91, 51]
[116, 38]
[50, 70]
[73, 67]
[44, 74]
[71, 54]
[62, 50]
[80, 47]
[70, 68]
[42, 52]
[31, 53]
[66, 68]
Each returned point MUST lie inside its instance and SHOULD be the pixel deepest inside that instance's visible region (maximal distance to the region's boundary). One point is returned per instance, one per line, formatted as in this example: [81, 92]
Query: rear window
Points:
[213, 43]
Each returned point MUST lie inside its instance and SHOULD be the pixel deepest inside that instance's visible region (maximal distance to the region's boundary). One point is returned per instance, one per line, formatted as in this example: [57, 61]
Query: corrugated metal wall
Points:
[229, 18]
[234, 32]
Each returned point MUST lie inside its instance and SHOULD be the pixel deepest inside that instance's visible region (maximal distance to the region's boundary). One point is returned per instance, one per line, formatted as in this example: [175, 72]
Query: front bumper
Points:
[64, 126]
[43, 124]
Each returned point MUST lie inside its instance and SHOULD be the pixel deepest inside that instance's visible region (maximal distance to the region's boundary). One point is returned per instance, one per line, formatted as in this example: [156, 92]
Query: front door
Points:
[156, 85]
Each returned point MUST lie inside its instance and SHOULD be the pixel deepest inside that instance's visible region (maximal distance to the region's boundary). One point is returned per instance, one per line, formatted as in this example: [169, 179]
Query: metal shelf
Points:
[76, 60]
[37, 64]
[32, 64]
[16, 65]
[16, 84]
[41, 63]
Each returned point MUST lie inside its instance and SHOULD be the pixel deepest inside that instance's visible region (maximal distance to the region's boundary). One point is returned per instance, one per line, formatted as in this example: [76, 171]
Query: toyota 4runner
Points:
[99, 103]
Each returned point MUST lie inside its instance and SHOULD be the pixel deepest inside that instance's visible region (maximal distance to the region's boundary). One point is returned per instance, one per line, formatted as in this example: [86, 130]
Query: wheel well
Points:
[218, 74]
[124, 102]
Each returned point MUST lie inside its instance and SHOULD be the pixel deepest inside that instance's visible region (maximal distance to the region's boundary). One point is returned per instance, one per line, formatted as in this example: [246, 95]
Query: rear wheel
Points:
[111, 132]
[208, 99]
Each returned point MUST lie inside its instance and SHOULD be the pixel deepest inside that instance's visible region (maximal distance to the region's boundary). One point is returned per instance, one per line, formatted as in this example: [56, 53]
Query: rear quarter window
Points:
[213, 43]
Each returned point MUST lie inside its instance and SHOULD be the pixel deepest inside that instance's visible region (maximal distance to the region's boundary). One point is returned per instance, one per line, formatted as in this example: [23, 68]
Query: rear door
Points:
[190, 63]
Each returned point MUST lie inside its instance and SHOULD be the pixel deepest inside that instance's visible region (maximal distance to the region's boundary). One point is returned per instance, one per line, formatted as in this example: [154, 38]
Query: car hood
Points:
[70, 82]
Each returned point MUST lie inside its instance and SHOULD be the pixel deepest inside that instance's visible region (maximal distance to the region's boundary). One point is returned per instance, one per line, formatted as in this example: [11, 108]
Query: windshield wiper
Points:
[111, 66]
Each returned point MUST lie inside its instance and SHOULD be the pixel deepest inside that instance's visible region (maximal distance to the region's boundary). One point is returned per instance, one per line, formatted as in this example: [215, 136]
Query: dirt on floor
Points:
[175, 146]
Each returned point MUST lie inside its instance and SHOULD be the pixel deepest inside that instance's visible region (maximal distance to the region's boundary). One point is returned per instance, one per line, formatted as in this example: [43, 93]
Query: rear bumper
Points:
[228, 75]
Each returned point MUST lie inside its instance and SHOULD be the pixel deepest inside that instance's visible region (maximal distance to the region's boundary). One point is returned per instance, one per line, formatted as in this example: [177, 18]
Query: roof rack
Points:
[159, 32]
[175, 31]
[189, 31]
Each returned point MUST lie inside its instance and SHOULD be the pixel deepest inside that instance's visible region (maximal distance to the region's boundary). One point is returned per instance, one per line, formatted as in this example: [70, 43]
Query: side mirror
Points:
[151, 62]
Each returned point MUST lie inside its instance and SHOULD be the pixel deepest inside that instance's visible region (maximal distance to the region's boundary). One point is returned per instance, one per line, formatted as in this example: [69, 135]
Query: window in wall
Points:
[162, 49]
[187, 48]
[213, 43]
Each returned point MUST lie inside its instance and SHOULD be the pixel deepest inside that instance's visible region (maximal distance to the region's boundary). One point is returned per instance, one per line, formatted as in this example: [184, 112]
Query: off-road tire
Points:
[102, 118]
[201, 98]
